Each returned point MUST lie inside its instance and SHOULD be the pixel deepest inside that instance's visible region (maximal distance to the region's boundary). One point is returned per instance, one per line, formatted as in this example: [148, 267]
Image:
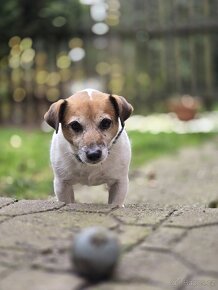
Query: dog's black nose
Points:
[93, 154]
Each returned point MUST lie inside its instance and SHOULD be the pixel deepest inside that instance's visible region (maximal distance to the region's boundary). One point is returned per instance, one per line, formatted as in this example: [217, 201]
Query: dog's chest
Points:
[91, 176]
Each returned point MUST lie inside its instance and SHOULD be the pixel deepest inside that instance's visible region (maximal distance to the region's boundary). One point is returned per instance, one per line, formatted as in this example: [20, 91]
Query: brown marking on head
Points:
[55, 114]
[89, 120]
[122, 108]
[89, 112]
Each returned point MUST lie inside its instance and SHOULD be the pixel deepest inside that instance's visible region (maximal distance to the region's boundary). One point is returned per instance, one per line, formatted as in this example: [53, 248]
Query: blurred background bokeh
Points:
[150, 51]
[161, 55]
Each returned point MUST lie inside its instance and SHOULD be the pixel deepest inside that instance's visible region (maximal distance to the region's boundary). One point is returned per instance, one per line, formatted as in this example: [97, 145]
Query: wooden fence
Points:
[151, 58]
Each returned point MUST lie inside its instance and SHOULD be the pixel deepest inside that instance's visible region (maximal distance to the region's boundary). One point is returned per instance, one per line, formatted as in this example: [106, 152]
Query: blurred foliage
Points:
[40, 19]
[24, 158]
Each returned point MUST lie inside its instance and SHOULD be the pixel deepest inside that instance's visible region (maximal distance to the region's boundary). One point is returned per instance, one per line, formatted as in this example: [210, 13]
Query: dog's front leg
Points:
[118, 191]
[63, 190]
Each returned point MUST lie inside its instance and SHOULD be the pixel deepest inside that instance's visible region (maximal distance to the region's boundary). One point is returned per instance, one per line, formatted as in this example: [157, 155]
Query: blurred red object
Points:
[185, 107]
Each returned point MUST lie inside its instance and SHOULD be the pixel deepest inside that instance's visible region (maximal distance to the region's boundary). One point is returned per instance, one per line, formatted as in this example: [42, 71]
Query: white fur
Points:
[89, 92]
[68, 170]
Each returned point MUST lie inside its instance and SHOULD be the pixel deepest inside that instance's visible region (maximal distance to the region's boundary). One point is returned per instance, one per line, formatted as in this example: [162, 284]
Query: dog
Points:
[90, 145]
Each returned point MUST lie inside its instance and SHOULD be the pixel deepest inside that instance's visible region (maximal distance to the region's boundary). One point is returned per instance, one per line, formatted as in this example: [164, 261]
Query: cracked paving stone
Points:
[3, 218]
[30, 206]
[129, 286]
[188, 217]
[201, 283]
[141, 215]
[45, 230]
[89, 208]
[59, 259]
[151, 266]
[164, 238]
[132, 235]
[26, 279]
[4, 201]
[200, 247]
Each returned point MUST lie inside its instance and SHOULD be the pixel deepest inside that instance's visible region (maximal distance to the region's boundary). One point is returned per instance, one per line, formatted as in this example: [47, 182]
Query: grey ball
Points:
[95, 253]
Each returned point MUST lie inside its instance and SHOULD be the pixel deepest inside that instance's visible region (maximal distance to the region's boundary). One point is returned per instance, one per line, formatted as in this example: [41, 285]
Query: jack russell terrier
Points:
[91, 146]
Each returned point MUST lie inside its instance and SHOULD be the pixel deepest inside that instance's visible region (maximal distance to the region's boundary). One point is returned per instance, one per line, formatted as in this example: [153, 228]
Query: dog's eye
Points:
[105, 124]
[76, 126]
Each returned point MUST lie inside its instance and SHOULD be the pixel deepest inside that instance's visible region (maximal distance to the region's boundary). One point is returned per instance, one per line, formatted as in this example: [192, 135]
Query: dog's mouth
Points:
[92, 156]
[93, 162]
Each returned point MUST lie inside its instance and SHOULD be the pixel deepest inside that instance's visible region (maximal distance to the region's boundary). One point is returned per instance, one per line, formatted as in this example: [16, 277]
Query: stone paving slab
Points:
[3, 218]
[40, 230]
[126, 286]
[15, 258]
[30, 206]
[26, 279]
[129, 236]
[162, 247]
[164, 238]
[193, 217]
[150, 265]
[5, 201]
[54, 260]
[201, 283]
[141, 215]
[3, 271]
[200, 247]
[87, 207]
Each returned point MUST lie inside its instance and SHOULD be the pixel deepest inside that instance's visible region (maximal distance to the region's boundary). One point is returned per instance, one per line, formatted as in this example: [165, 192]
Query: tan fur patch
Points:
[89, 112]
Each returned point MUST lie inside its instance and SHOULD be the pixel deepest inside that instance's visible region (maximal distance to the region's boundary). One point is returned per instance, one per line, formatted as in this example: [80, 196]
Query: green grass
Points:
[146, 146]
[25, 171]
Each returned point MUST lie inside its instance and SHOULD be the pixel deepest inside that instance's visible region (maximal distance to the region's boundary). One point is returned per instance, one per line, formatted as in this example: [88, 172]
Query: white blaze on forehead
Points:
[89, 92]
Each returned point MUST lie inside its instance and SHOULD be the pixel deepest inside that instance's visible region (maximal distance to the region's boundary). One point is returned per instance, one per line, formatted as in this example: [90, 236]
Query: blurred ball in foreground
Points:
[95, 253]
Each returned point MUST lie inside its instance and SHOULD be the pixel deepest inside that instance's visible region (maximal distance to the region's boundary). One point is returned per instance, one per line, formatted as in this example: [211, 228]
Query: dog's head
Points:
[90, 122]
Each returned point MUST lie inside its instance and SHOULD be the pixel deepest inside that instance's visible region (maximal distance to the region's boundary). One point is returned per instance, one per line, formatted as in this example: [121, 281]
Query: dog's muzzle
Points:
[93, 154]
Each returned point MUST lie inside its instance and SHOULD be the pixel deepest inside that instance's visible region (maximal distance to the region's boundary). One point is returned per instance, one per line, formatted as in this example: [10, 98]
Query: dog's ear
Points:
[122, 108]
[55, 114]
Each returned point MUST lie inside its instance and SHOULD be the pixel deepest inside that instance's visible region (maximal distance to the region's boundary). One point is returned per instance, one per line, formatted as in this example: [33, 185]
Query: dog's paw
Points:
[117, 206]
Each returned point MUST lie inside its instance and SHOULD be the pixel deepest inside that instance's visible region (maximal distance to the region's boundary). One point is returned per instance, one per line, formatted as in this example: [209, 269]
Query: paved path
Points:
[169, 237]
[189, 176]
[163, 247]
